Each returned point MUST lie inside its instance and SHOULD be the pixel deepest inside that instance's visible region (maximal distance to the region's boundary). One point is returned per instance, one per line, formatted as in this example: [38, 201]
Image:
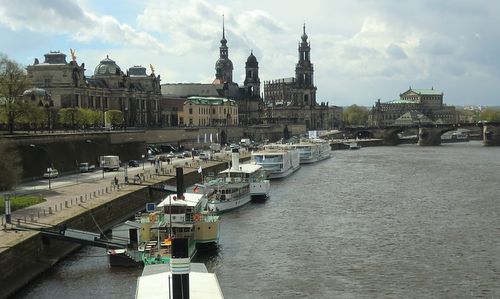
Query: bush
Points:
[21, 201]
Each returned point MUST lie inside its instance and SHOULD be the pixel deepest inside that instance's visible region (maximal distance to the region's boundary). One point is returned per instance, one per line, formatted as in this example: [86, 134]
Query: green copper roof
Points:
[209, 100]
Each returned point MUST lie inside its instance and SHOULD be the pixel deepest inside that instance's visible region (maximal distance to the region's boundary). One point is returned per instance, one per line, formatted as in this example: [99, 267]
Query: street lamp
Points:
[101, 161]
[49, 169]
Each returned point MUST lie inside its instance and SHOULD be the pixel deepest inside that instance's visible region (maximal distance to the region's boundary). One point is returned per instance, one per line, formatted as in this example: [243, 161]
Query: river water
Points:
[380, 222]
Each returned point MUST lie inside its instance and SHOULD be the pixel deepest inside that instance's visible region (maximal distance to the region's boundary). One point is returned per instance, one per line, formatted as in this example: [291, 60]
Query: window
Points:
[190, 110]
[47, 82]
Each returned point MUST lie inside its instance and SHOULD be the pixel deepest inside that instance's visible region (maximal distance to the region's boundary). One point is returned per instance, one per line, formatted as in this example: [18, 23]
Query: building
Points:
[208, 111]
[134, 93]
[293, 100]
[428, 102]
[247, 96]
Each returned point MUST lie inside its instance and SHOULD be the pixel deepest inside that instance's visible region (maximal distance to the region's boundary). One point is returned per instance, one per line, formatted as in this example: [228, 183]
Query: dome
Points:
[224, 63]
[252, 61]
[107, 67]
[38, 92]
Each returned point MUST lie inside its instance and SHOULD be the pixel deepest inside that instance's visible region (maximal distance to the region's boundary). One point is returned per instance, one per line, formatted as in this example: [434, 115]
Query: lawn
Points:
[21, 201]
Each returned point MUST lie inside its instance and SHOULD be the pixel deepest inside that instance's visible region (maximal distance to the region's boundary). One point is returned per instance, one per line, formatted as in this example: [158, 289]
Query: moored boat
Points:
[312, 150]
[236, 186]
[278, 160]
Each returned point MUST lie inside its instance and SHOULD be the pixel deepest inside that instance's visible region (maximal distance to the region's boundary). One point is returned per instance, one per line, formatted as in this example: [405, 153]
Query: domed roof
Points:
[39, 92]
[252, 60]
[107, 67]
[224, 63]
[304, 35]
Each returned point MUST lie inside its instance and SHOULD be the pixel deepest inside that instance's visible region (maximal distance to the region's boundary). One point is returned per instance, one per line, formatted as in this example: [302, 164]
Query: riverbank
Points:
[25, 254]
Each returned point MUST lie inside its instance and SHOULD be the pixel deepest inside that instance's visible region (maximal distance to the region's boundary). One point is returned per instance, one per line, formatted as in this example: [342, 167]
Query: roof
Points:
[427, 91]
[189, 89]
[128, 223]
[155, 284]
[245, 168]
[190, 199]
[209, 100]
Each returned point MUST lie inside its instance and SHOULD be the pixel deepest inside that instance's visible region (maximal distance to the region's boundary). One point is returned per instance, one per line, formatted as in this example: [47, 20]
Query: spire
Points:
[304, 35]
[223, 41]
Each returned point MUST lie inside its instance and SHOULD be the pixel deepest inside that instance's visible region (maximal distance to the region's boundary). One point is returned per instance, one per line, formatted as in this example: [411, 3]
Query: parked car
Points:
[51, 173]
[171, 155]
[179, 155]
[86, 167]
[133, 163]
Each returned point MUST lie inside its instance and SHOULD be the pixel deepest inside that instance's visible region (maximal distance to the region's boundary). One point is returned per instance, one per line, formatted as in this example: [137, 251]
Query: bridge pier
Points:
[491, 135]
[429, 136]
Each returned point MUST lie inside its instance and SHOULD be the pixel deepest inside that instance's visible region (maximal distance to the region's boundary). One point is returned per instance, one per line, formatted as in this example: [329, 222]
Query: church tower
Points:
[252, 81]
[223, 66]
[304, 74]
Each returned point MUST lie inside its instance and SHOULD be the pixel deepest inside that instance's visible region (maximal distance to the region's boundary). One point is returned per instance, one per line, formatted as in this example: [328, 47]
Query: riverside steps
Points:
[88, 206]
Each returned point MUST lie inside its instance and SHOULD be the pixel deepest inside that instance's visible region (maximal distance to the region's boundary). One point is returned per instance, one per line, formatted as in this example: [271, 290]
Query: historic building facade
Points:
[427, 102]
[134, 93]
[293, 100]
[208, 111]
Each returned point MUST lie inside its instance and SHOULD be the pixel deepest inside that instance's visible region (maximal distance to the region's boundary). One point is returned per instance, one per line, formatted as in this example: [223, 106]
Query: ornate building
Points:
[135, 93]
[427, 102]
[293, 100]
[247, 97]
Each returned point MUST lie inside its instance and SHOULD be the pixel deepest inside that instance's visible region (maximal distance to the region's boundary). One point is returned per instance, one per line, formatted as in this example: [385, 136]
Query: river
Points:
[380, 222]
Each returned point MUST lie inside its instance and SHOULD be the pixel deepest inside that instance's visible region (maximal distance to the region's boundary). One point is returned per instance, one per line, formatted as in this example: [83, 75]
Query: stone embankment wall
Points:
[65, 151]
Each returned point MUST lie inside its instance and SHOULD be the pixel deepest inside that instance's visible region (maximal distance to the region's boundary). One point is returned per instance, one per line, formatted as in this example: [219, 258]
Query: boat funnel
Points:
[179, 178]
[235, 159]
[180, 268]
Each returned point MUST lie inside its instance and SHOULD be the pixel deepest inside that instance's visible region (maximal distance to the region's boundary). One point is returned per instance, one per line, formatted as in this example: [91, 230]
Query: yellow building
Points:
[208, 111]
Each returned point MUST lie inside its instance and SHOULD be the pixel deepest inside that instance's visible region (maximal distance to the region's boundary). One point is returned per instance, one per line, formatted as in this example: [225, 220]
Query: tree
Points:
[13, 82]
[10, 164]
[114, 117]
[490, 114]
[356, 115]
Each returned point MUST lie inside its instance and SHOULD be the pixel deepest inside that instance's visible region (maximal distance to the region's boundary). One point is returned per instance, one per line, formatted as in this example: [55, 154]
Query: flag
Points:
[211, 137]
[205, 137]
[197, 138]
[199, 170]
[217, 136]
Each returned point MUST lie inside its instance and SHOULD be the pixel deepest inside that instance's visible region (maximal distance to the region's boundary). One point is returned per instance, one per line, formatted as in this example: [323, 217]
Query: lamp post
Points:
[100, 161]
[49, 169]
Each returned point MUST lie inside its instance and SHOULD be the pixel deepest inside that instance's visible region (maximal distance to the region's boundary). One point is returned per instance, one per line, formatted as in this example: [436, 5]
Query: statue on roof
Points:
[73, 55]
[152, 68]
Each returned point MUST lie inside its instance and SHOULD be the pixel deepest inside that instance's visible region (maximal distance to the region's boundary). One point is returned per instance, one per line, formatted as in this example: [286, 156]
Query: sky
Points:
[362, 50]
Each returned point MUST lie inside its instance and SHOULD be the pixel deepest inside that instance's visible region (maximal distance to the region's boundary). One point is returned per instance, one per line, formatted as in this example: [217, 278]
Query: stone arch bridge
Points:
[428, 135]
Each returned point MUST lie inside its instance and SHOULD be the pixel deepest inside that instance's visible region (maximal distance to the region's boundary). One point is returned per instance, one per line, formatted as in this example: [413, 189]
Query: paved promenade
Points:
[69, 200]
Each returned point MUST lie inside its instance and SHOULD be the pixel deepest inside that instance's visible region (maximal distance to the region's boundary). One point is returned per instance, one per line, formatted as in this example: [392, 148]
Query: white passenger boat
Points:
[312, 150]
[236, 186]
[278, 160]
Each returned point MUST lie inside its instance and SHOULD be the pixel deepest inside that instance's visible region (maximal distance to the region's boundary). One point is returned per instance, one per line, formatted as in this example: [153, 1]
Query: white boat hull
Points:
[284, 174]
[226, 205]
[260, 189]
[315, 159]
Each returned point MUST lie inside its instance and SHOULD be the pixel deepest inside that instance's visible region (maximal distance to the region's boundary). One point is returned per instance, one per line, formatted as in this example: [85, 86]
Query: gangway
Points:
[77, 236]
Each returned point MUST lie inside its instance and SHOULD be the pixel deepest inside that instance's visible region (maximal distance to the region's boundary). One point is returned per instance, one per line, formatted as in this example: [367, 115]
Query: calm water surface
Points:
[381, 222]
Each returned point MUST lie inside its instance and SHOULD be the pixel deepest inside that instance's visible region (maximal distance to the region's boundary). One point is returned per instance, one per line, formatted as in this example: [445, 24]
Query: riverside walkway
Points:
[67, 201]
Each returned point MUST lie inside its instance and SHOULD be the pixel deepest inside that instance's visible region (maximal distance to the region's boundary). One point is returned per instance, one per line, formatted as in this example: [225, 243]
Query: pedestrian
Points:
[116, 181]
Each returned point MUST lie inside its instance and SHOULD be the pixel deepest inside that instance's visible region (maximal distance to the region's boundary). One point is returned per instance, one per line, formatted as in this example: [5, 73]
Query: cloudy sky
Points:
[362, 50]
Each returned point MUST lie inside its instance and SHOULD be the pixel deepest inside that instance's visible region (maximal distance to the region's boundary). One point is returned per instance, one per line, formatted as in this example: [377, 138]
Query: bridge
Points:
[428, 135]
